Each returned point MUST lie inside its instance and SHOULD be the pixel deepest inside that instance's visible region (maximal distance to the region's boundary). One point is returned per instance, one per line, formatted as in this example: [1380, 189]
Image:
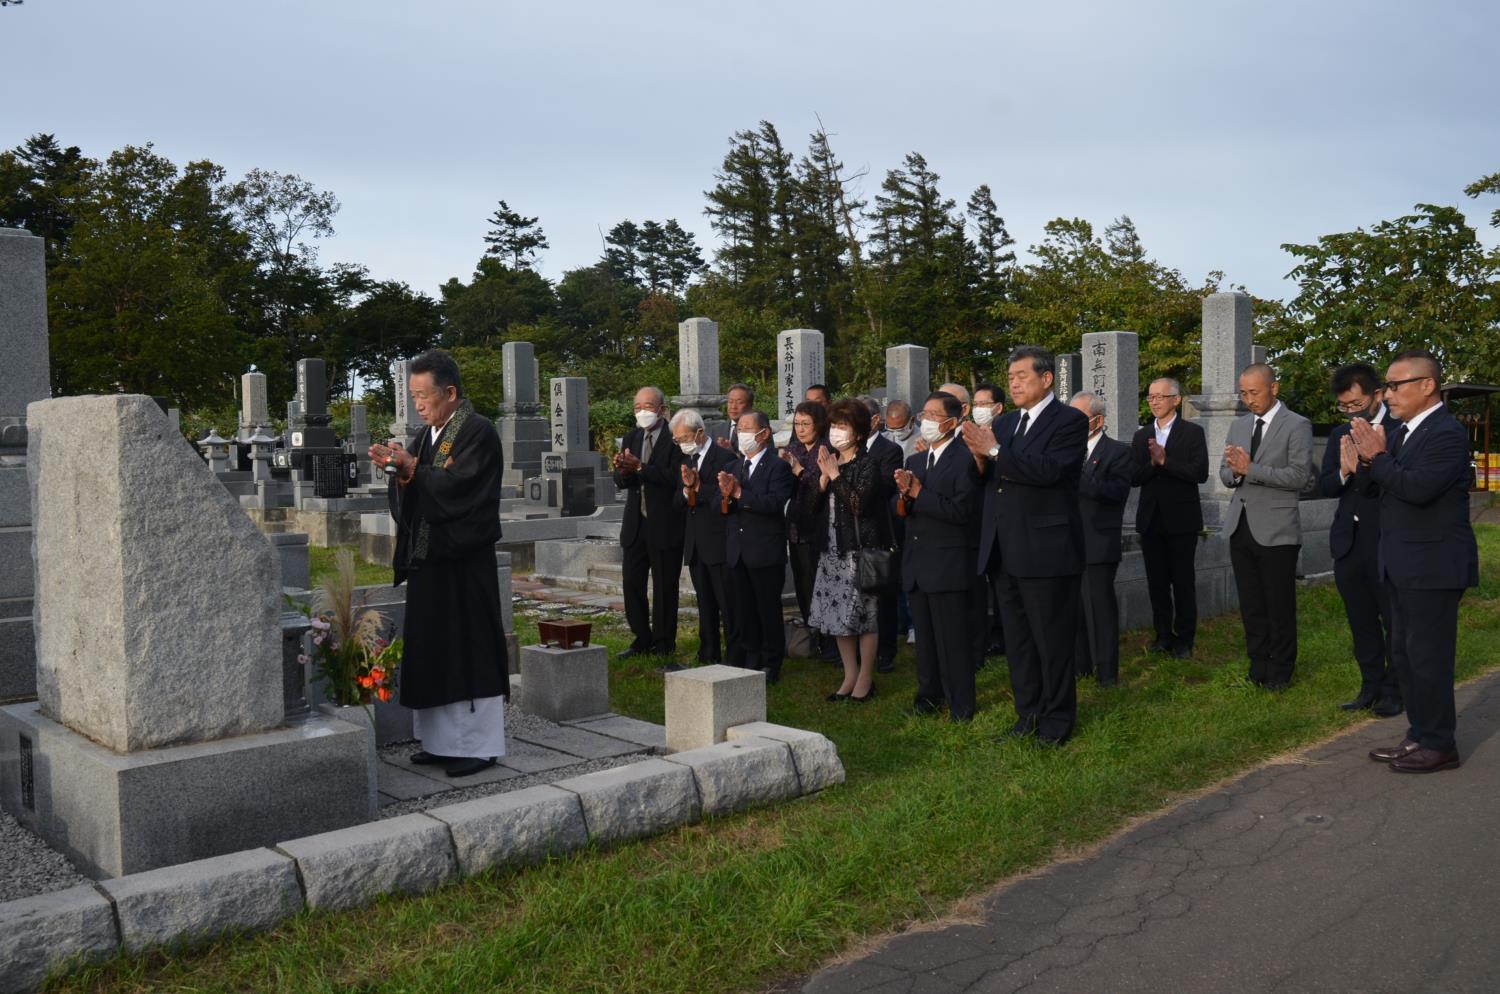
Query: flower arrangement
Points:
[357, 664]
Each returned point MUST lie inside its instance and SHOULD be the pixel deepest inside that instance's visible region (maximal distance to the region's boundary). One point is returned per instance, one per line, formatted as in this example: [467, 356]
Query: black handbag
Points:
[877, 570]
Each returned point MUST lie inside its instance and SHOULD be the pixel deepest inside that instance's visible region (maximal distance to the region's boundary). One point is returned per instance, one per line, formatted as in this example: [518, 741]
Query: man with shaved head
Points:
[1266, 464]
[1427, 552]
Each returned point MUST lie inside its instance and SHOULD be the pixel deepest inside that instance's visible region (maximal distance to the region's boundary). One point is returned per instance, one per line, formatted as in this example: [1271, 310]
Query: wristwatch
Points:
[994, 451]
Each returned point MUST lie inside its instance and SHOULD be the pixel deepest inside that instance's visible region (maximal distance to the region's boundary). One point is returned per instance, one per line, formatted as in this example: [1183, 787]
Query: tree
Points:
[40, 182]
[514, 237]
[389, 322]
[749, 207]
[1487, 184]
[483, 311]
[991, 237]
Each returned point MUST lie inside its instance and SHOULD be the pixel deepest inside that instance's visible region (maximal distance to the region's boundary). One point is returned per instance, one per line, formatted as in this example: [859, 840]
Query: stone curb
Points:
[258, 888]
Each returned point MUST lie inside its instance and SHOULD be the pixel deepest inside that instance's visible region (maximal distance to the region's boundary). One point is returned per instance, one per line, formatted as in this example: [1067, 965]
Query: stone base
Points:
[115, 814]
[17, 651]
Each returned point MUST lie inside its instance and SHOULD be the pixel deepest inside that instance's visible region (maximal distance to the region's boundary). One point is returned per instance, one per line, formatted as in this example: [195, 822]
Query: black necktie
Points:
[1255, 438]
[931, 458]
[1397, 437]
[646, 458]
[1021, 426]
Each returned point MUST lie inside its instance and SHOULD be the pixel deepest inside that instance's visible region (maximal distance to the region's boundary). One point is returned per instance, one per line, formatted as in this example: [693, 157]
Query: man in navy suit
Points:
[757, 489]
[1039, 450]
[1354, 540]
[1103, 489]
[703, 537]
[1428, 555]
[936, 498]
[652, 530]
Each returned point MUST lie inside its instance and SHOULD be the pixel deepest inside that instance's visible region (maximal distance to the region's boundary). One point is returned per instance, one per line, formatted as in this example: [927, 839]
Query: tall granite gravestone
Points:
[569, 467]
[908, 375]
[522, 423]
[1069, 378]
[255, 410]
[1258, 353]
[1112, 369]
[358, 444]
[799, 364]
[156, 738]
[1227, 350]
[698, 370]
[23, 343]
[404, 429]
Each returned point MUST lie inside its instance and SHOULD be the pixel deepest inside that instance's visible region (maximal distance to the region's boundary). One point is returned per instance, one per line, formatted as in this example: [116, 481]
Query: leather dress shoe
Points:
[1160, 645]
[1183, 650]
[885, 666]
[1023, 728]
[1388, 709]
[1426, 761]
[469, 767]
[923, 708]
[424, 758]
[1363, 701]
[630, 651]
[671, 668]
[1386, 754]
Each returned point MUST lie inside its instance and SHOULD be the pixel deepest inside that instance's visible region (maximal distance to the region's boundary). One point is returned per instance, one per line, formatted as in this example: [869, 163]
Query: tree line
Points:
[172, 280]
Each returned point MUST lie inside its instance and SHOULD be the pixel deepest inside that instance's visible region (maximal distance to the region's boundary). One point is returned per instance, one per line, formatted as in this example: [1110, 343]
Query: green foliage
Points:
[1486, 184]
[514, 238]
[482, 370]
[496, 299]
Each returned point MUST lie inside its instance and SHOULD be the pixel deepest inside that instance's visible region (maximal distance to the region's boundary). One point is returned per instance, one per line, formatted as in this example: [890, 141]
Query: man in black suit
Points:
[1171, 459]
[1103, 488]
[756, 490]
[739, 399]
[1428, 556]
[989, 627]
[888, 456]
[652, 530]
[935, 497]
[1354, 540]
[703, 538]
[1039, 449]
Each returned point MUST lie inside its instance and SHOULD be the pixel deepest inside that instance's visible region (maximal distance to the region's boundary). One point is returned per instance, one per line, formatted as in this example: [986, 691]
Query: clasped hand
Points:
[1158, 454]
[828, 465]
[979, 439]
[393, 454]
[908, 484]
[1238, 460]
[627, 462]
[729, 485]
[1369, 440]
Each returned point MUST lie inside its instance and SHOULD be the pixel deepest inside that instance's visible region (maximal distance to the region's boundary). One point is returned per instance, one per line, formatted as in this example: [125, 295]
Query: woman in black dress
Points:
[809, 433]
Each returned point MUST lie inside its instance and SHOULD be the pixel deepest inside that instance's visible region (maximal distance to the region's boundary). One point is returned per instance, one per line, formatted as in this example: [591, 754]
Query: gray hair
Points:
[686, 416]
[1096, 402]
[1176, 387]
[956, 389]
[749, 394]
[761, 421]
[1041, 359]
[871, 403]
[898, 405]
[661, 398]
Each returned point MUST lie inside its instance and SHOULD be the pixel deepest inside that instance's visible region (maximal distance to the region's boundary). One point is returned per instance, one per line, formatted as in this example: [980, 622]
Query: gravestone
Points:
[255, 410]
[799, 364]
[1228, 325]
[568, 467]
[698, 370]
[156, 737]
[1258, 353]
[908, 375]
[522, 423]
[407, 423]
[1069, 379]
[26, 378]
[1111, 369]
[359, 441]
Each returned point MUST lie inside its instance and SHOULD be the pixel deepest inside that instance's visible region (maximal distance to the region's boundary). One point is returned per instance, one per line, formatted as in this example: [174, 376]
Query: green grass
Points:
[932, 813]
[366, 574]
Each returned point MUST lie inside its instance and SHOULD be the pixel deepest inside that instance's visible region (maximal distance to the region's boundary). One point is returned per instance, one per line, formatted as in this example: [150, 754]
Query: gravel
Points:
[28, 867]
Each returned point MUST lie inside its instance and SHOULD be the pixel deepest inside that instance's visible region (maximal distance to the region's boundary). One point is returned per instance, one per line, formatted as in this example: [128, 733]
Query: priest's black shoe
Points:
[1183, 650]
[1426, 761]
[1387, 708]
[1160, 645]
[1364, 701]
[469, 767]
[424, 758]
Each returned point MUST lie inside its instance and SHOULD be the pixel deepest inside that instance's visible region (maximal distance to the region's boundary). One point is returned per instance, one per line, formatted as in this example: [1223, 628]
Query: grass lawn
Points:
[366, 574]
[932, 813]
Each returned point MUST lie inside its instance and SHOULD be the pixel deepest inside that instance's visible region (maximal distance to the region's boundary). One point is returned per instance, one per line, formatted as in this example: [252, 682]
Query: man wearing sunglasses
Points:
[1427, 555]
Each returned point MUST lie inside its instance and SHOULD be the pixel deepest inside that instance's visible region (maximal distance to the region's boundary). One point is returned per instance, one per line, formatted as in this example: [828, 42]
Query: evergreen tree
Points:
[514, 237]
[749, 207]
[40, 182]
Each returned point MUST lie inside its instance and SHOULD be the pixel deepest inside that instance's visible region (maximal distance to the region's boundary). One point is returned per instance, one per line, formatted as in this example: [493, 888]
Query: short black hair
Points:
[819, 386]
[952, 406]
[443, 368]
[817, 412]
[1041, 359]
[992, 390]
[1356, 374]
[749, 393]
[761, 421]
[1428, 360]
[854, 414]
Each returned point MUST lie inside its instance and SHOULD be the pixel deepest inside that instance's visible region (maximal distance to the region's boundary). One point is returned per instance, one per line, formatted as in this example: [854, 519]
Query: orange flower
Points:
[378, 674]
[384, 693]
[366, 681]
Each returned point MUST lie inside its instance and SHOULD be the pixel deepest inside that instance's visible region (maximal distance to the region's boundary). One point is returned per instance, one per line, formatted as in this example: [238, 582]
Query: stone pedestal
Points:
[703, 703]
[564, 684]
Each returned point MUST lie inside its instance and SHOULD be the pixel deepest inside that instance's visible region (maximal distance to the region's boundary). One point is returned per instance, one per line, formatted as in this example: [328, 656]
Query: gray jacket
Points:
[1281, 469]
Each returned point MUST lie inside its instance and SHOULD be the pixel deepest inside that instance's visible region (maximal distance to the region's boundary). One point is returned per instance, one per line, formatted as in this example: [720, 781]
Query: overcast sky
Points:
[1223, 129]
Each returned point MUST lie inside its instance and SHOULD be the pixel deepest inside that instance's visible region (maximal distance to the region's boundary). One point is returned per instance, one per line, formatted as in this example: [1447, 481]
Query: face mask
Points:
[932, 430]
[840, 437]
[688, 448]
[747, 442]
[902, 433]
[645, 419]
[983, 416]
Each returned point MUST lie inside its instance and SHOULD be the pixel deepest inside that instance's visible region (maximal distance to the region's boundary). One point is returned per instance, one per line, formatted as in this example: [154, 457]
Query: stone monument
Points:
[23, 343]
[358, 444]
[1112, 369]
[522, 424]
[407, 422]
[698, 371]
[1069, 378]
[1227, 350]
[158, 736]
[569, 467]
[908, 375]
[799, 364]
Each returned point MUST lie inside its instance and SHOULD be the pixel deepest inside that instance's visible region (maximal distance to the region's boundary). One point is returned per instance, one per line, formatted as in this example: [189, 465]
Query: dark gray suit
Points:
[1103, 489]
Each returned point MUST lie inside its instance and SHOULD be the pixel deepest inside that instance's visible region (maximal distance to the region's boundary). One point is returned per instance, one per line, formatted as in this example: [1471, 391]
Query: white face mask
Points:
[932, 430]
[983, 416]
[903, 432]
[747, 442]
[688, 448]
[645, 419]
[840, 438]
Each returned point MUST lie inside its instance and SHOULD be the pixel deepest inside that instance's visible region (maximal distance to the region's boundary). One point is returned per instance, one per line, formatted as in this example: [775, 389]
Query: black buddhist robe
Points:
[454, 638]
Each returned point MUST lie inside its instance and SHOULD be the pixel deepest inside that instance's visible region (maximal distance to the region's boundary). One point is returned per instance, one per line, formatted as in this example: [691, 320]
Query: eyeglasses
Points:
[1393, 384]
[1160, 396]
[803, 423]
[1355, 406]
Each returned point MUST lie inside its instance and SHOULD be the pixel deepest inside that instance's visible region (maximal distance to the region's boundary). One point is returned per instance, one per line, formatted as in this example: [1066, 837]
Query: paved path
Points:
[1326, 874]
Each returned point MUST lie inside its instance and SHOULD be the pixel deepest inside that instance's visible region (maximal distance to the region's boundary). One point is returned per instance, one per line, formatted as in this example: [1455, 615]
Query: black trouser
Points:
[1424, 638]
[1041, 617]
[654, 625]
[1097, 647]
[1171, 582]
[885, 618]
[804, 559]
[979, 618]
[760, 639]
[945, 666]
[714, 608]
[1367, 605]
[1266, 578]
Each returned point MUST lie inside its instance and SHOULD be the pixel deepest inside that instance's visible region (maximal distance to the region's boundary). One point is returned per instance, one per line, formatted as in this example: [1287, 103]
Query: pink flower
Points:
[304, 658]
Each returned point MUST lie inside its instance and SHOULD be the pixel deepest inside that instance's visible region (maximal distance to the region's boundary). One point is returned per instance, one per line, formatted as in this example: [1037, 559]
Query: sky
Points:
[1222, 129]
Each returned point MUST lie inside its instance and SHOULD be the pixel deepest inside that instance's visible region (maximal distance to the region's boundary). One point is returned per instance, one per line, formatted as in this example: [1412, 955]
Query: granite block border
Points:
[256, 889]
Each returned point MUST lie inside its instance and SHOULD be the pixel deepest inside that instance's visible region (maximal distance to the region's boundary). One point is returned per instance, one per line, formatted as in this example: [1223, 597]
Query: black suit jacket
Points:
[654, 483]
[704, 532]
[1359, 496]
[756, 524]
[1426, 541]
[1103, 489]
[939, 525]
[1171, 490]
[1036, 482]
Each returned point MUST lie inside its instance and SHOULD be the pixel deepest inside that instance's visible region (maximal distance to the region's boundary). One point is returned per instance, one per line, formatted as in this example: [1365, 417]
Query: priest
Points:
[445, 497]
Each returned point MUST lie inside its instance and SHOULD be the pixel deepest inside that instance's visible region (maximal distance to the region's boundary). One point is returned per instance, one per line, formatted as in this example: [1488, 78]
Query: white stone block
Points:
[520, 826]
[702, 703]
[564, 684]
[815, 755]
[344, 869]
[740, 774]
[632, 801]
